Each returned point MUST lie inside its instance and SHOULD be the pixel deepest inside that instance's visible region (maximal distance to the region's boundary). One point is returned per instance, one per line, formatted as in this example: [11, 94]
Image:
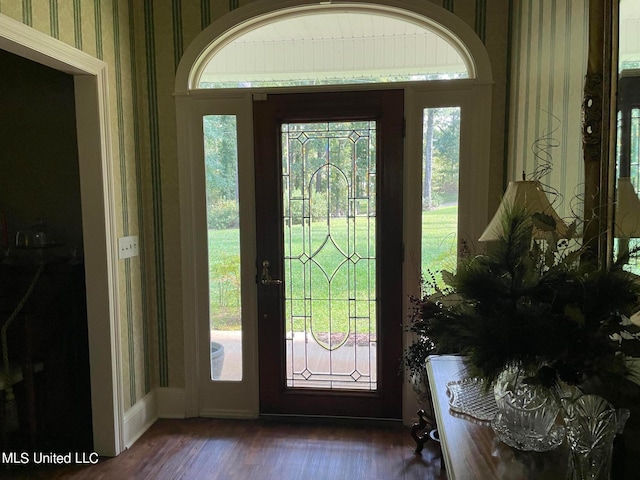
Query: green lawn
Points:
[327, 274]
[439, 238]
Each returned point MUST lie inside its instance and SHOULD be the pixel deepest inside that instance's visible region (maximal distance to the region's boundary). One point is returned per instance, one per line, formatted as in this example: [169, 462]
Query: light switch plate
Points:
[128, 246]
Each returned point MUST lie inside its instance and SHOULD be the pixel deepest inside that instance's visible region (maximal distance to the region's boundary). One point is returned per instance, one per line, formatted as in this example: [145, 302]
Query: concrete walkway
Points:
[350, 361]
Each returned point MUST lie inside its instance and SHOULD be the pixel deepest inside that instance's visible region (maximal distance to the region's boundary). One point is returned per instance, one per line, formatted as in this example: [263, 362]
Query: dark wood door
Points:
[329, 252]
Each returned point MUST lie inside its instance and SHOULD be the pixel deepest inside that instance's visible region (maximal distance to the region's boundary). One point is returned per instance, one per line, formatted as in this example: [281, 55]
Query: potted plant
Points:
[217, 360]
[423, 308]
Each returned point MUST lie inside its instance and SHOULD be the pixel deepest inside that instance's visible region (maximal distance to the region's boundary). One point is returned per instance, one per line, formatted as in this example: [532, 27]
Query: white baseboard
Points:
[139, 418]
[239, 414]
[166, 403]
[159, 403]
[171, 402]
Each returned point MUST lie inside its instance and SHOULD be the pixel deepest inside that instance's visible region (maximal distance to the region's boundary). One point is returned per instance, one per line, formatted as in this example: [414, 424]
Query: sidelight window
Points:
[223, 240]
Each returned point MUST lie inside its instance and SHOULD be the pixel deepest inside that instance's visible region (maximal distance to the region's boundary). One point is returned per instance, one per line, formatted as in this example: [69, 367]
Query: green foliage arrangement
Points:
[423, 310]
[540, 304]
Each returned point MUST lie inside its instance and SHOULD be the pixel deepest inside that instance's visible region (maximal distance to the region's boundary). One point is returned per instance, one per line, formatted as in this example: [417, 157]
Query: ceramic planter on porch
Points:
[217, 360]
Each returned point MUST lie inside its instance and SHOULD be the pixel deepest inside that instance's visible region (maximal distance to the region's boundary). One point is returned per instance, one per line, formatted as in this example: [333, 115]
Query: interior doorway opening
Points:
[97, 198]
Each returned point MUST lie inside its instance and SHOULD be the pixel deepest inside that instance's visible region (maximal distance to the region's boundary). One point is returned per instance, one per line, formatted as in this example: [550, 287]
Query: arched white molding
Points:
[98, 219]
[243, 19]
[472, 94]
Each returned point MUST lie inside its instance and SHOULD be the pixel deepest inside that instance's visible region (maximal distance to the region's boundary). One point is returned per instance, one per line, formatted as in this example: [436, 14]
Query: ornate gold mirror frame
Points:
[598, 129]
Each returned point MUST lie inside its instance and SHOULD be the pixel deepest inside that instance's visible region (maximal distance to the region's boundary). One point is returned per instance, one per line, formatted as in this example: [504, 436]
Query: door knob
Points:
[266, 279]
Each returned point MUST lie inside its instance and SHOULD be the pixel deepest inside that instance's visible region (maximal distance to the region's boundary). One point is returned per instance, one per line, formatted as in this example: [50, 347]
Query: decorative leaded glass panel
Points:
[329, 198]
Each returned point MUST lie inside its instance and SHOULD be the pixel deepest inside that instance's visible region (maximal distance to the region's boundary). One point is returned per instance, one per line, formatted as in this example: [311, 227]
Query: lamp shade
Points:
[528, 196]
[627, 210]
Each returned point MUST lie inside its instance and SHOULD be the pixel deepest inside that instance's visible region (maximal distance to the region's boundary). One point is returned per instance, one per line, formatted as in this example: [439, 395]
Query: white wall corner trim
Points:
[170, 402]
[139, 418]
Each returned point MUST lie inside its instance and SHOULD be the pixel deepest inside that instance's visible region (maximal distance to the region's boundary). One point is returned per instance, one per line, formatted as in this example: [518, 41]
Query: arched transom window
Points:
[337, 47]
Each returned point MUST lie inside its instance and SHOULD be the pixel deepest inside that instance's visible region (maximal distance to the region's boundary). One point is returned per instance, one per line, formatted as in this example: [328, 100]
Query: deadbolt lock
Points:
[266, 279]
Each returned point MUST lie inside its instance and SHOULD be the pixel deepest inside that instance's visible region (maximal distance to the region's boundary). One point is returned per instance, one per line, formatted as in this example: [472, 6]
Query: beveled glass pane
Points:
[329, 236]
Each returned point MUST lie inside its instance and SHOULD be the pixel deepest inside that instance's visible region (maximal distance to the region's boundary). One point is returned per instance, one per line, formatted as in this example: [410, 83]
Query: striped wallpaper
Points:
[550, 43]
[143, 41]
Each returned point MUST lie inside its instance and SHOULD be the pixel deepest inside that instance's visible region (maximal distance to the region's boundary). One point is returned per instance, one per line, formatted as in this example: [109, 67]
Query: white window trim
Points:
[473, 95]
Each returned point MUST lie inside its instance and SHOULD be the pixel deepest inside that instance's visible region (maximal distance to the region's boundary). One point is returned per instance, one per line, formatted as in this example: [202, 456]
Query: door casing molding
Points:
[91, 85]
[479, 89]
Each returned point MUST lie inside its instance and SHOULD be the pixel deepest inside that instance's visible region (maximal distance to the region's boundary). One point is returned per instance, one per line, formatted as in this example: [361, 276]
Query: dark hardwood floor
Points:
[200, 448]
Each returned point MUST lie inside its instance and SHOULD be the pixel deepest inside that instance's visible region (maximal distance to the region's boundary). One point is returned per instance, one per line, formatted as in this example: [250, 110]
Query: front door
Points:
[328, 172]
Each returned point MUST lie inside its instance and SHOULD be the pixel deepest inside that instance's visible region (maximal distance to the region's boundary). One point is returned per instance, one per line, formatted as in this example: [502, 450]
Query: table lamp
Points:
[528, 196]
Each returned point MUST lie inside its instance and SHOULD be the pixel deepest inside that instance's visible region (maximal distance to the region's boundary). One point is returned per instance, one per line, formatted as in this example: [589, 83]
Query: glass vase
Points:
[592, 424]
[527, 412]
